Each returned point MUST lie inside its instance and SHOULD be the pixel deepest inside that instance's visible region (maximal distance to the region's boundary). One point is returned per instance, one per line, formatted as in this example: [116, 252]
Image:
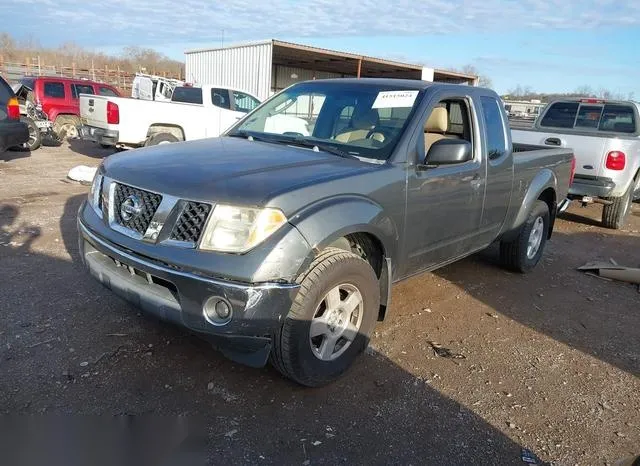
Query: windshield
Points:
[358, 119]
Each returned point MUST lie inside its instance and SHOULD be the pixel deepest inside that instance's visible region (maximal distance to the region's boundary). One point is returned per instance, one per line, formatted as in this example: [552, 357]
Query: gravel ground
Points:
[548, 362]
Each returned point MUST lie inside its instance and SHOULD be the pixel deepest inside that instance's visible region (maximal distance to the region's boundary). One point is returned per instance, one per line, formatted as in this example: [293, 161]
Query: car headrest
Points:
[438, 121]
[364, 119]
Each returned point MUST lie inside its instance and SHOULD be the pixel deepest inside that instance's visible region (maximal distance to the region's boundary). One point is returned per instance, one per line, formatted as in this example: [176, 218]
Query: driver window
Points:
[448, 120]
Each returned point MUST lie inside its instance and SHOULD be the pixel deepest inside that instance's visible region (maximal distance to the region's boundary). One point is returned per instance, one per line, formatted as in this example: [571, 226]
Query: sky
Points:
[547, 45]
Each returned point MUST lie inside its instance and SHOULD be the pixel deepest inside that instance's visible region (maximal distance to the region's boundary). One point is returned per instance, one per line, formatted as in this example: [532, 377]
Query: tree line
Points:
[131, 59]
[527, 93]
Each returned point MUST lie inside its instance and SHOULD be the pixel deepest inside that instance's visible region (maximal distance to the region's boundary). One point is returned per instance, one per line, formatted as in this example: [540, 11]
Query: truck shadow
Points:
[74, 347]
[14, 154]
[90, 149]
[590, 314]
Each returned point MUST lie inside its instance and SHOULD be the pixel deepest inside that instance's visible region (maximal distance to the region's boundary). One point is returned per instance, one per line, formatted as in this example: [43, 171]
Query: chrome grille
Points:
[191, 222]
[148, 204]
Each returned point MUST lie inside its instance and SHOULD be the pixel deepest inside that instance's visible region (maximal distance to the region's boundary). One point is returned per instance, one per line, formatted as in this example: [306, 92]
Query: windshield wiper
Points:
[323, 147]
[294, 141]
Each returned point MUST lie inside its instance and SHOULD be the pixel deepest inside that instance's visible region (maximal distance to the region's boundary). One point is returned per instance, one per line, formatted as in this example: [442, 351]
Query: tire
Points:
[520, 255]
[295, 353]
[106, 146]
[161, 138]
[614, 215]
[35, 137]
[66, 126]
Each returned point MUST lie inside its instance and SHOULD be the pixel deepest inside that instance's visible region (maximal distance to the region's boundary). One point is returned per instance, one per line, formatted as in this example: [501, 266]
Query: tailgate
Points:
[93, 110]
[589, 151]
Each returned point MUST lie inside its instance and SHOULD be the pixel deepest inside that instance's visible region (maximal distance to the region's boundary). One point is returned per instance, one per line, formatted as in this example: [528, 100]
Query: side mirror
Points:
[449, 151]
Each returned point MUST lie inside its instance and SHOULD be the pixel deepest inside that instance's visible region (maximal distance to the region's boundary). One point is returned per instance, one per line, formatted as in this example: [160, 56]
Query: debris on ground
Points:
[529, 457]
[82, 174]
[231, 433]
[612, 271]
[443, 352]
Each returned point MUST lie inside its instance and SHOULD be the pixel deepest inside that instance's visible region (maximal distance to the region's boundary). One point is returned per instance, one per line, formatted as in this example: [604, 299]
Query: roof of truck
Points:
[408, 84]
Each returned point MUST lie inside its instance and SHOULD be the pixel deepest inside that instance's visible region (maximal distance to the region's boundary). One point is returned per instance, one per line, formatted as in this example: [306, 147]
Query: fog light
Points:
[217, 311]
[223, 310]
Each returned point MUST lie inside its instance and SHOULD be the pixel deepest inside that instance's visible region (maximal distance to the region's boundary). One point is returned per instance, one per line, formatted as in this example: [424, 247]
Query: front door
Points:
[444, 203]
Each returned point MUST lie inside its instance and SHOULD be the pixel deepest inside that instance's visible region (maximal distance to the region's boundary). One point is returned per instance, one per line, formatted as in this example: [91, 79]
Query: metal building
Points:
[266, 67]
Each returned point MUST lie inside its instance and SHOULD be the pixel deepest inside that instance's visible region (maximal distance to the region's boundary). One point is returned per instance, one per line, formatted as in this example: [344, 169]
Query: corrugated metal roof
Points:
[335, 53]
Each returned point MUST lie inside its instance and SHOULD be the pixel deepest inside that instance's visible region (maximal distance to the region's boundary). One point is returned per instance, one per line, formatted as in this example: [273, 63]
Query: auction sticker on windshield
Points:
[395, 99]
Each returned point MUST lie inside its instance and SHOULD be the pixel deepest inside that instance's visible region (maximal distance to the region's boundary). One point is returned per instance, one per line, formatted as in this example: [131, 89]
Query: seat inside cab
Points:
[361, 127]
[449, 120]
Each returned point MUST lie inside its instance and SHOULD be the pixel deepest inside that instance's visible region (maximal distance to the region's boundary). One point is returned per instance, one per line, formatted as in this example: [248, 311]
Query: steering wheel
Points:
[386, 134]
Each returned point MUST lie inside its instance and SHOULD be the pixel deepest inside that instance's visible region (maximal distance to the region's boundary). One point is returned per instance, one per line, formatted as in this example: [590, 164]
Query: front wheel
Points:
[330, 321]
[524, 252]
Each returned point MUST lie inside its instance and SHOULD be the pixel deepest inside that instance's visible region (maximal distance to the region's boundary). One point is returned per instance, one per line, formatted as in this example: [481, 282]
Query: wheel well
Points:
[174, 130]
[369, 248]
[548, 196]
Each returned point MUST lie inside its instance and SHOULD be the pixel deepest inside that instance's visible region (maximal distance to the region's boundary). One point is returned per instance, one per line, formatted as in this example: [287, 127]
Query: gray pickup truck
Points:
[284, 247]
[605, 136]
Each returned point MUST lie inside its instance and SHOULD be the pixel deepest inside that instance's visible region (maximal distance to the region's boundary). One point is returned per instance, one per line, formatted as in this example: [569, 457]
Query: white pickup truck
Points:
[193, 113]
[605, 138]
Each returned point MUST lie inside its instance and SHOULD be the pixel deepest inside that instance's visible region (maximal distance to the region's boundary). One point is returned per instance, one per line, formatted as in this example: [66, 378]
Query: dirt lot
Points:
[550, 362]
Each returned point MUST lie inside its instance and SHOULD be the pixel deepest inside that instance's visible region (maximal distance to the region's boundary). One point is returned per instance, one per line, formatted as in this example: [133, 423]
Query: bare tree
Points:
[483, 80]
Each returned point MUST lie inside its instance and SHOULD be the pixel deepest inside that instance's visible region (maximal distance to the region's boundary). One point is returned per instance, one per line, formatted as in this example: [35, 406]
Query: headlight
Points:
[95, 192]
[238, 229]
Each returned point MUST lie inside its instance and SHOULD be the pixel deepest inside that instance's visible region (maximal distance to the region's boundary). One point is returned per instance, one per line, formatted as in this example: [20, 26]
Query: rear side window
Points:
[107, 92]
[220, 98]
[618, 118]
[77, 89]
[561, 115]
[55, 90]
[496, 143]
[187, 95]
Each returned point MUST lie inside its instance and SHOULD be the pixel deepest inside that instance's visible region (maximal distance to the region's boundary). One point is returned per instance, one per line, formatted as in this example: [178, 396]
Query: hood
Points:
[228, 169]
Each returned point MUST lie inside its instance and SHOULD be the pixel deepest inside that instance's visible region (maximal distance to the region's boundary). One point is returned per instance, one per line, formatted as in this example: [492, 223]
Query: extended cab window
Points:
[77, 89]
[220, 98]
[496, 142]
[55, 90]
[187, 95]
[244, 102]
[107, 92]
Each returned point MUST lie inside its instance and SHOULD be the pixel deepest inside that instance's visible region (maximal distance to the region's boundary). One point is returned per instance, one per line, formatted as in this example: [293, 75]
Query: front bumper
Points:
[591, 186]
[99, 135]
[178, 296]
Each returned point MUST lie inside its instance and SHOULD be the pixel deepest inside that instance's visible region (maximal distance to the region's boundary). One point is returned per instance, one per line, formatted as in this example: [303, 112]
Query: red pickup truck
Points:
[59, 98]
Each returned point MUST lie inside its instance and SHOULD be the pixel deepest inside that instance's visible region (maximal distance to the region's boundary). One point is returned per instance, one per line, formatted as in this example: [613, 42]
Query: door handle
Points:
[553, 142]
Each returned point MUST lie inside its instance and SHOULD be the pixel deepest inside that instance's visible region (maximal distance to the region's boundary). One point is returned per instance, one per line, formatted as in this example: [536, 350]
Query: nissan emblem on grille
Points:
[131, 207]
[134, 208]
